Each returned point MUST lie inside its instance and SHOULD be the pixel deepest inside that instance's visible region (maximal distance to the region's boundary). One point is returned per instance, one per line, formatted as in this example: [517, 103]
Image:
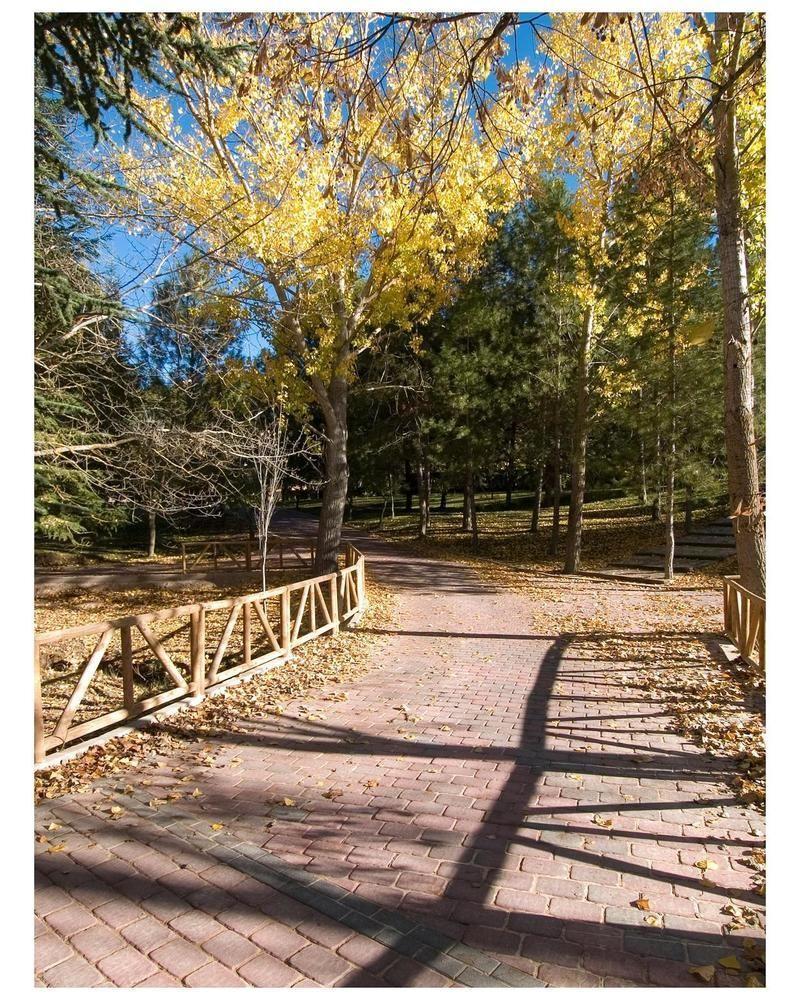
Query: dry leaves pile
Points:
[331, 659]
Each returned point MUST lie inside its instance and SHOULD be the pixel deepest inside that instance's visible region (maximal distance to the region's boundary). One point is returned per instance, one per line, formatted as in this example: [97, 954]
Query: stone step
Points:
[719, 541]
[693, 552]
[715, 528]
[652, 562]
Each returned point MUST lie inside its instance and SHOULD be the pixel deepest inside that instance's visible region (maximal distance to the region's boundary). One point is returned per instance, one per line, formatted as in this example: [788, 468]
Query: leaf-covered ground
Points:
[614, 531]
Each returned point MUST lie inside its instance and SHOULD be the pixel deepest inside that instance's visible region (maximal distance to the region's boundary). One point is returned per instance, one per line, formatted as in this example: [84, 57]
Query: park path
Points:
[482, 808]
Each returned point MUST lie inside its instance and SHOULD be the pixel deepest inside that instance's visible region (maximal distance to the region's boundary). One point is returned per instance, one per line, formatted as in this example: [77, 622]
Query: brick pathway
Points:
[438, 822]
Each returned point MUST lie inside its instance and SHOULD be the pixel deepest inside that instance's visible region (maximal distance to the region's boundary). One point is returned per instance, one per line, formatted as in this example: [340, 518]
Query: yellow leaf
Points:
[216, 826]
[55, 848]
[704, 972]
[288, 802]
[731, 962]
[600, 821]
[705, 864]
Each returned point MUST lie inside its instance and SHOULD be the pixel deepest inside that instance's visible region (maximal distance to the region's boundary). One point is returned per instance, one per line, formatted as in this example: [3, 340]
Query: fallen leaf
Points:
[706, 864]
[216, 826]
[641, 903]
[288, 802]
[731, 962]
[332, 793]
[704, 972]
[55, 848]
[601, 821]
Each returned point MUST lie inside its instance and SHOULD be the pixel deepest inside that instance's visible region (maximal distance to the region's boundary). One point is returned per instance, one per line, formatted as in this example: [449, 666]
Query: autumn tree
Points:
[347, 189]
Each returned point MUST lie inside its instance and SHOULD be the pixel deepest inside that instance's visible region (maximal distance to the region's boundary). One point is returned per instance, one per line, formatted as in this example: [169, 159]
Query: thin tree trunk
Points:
[423, 470]
[473, 513]
[151, 533]
[409, 487]
[466, 518]
[580, 434]
[537, 498]
[391, 496]
[746, 507]
[642, 454]
[334, 496]
[511, 470]
[555, 529]
[669, 520]
[443, 500]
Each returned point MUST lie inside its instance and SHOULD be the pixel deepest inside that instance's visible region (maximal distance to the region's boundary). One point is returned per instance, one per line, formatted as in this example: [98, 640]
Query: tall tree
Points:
[342, 186]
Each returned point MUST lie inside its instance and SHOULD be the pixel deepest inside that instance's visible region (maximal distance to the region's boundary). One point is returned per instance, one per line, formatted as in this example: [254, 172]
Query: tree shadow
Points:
[578, 864]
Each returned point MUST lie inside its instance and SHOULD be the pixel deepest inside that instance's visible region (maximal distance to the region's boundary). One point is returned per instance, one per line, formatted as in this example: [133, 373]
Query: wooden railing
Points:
[745, 620]
[191, 649]
[243, 550]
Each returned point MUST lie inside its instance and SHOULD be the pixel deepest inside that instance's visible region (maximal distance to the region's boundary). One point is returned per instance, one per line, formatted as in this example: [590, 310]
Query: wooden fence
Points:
[244, 551]
[745, 621]
[190, 649]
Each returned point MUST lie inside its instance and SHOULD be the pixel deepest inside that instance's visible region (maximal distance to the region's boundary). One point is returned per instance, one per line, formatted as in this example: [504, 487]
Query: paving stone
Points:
[75, 971]
[230, 948]
[126, 967]
[267, 971]
[180, 957]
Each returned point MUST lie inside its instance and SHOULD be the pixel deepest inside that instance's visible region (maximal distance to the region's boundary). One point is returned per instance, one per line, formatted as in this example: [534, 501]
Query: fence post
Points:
[127, 667]
[286, 623]
[38, 721]
[335, 602]
[246, 632]
[361, 583]
[726, 613]
[198, 633]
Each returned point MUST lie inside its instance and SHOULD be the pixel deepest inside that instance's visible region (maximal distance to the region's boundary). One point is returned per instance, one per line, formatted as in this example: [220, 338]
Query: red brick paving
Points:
[457, 783]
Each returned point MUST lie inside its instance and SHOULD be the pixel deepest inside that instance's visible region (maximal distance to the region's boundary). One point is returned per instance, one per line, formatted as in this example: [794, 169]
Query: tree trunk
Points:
[443, 500]
[473, 513]
[424, 476]
[746, 507]
[642, 457]
[466, 518]
[391, 497]
[334, 496]
[409, 487]
[580, 434]
[537, 498]
[151, 533]
[511, 470]
[669, 520]
[555, 529]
